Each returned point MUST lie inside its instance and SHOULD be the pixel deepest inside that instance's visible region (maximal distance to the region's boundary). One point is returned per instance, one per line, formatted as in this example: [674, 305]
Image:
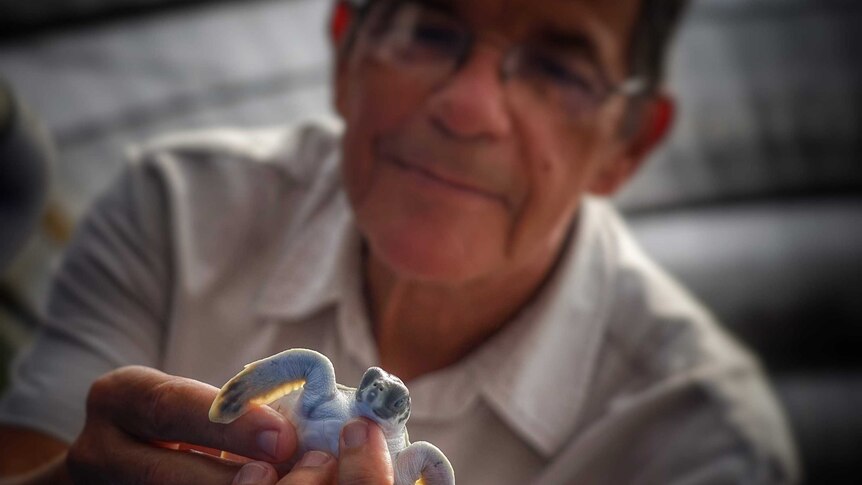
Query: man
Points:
[450, 235]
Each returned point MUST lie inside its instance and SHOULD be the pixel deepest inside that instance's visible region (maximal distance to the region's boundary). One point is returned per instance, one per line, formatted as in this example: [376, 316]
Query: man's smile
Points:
[426, 174]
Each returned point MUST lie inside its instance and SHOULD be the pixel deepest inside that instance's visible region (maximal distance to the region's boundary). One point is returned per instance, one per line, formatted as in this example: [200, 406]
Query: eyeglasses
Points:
[431, 45]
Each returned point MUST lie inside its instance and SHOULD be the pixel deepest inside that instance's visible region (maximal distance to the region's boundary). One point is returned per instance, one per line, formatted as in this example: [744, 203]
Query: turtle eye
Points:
[399, 404]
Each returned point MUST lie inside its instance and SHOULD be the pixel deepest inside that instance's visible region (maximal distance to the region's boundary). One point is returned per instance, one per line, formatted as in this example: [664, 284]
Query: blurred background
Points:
[755, 203]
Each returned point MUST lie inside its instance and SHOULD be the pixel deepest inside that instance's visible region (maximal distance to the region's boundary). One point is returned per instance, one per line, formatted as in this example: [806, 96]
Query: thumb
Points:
[256, 473]
[364, 457]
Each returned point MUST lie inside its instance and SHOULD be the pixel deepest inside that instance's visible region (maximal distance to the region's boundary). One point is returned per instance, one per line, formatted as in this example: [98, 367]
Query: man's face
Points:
[467, 179]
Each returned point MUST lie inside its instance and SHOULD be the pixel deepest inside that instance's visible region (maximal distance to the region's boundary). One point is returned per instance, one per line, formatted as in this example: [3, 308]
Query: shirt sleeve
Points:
[106, 309]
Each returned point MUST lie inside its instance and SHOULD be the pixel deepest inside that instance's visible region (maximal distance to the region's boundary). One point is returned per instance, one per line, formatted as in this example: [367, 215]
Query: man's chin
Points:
[430, 261]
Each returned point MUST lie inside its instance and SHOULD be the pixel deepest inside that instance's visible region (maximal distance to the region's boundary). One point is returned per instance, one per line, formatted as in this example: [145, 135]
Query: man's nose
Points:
[472, 102]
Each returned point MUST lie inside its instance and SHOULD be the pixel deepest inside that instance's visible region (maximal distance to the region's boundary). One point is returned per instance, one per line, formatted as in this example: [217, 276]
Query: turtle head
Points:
[383, 398]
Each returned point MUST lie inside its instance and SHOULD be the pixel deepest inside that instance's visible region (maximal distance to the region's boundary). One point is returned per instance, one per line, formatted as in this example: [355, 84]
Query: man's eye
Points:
[442, 38]
[559, 72]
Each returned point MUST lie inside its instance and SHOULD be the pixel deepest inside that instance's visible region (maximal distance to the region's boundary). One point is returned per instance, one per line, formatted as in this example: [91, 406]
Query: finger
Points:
[151, 405]
[108, 455]
[256, 473]
[364, 456]
[315, 468]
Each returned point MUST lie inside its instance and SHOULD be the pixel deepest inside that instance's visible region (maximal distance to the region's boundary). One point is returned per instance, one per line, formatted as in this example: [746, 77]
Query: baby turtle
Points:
[322, 407]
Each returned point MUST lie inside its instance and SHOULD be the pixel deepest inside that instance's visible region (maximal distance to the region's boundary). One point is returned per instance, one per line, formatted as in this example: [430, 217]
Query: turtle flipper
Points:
[423, 463]
[266, 380]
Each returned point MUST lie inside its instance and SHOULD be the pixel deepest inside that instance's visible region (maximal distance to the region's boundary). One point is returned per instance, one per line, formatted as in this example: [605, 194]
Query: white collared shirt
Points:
[220, 248]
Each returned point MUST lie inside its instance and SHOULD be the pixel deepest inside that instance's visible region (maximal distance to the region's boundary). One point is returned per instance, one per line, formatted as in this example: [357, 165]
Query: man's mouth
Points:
[441, 179]
[378, 414]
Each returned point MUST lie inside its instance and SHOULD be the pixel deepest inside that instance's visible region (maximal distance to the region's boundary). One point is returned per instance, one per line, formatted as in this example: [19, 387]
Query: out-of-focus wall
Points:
[770, 104]
[101, 87]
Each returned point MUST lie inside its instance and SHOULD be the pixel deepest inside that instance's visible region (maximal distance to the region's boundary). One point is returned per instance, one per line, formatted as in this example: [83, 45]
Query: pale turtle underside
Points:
[300, 384]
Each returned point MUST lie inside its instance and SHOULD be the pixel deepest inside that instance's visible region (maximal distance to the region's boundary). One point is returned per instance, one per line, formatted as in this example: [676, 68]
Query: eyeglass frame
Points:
[630, 87]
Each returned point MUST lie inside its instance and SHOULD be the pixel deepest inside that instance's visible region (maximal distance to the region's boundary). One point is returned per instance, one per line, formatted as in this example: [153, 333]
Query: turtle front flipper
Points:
[423, 463]
[266, 380]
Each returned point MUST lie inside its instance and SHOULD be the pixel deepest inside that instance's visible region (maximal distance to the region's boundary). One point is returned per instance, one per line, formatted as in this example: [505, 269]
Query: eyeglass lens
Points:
[430, 45]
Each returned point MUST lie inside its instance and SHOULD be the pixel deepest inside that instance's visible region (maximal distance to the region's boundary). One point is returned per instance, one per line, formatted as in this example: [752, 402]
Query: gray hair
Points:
[651, 38]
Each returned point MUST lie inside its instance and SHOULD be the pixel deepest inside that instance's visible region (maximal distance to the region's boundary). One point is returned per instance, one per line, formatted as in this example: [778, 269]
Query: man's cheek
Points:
[556, 186]
[382, 95]
[357, 165]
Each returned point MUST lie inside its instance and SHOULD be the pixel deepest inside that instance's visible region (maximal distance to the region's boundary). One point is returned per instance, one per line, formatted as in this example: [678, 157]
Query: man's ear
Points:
[654, 119]
[340, 24]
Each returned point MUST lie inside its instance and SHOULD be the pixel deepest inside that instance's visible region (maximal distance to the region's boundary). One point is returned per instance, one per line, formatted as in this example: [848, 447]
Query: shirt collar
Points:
[309, 275]
[535, 373]
[321, 268]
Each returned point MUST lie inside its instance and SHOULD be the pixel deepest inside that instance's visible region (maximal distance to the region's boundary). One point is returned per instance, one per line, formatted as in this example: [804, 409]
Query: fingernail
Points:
[268, 442]
[355, 434]
[313, 459]
[250, 474]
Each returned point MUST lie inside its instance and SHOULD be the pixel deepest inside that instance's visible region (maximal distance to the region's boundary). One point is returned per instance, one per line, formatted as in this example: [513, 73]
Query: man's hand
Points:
[136, 414]
[364, 460]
